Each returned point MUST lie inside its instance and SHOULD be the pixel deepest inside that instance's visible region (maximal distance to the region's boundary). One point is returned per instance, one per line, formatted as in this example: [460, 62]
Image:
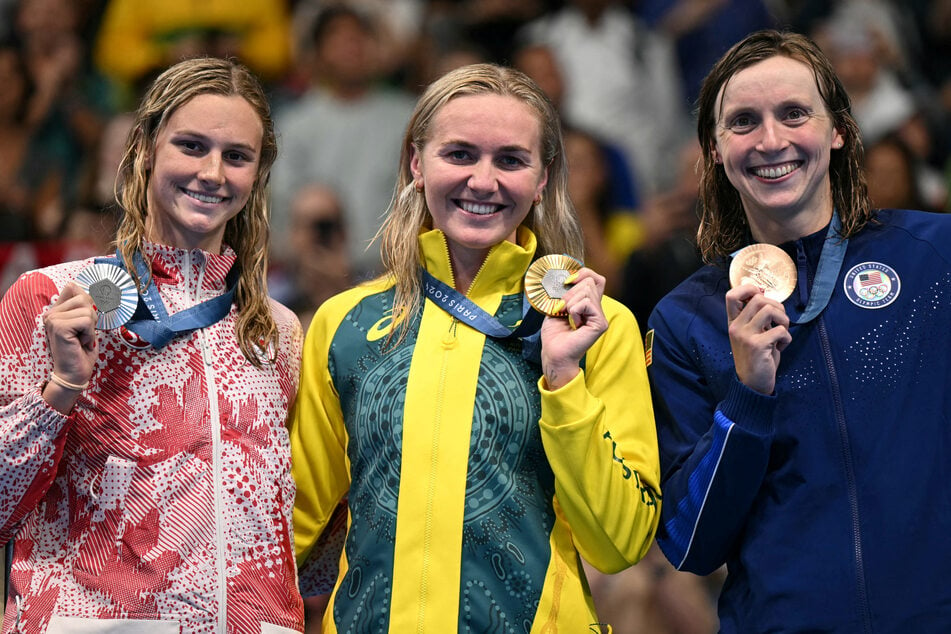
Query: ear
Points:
[416, 166]
[541, 184]
[838, 140]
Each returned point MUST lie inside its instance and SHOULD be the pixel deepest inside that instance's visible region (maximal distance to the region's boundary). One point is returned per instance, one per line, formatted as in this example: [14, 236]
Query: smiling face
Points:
[481, 169]
[774, 136]
[203, 170]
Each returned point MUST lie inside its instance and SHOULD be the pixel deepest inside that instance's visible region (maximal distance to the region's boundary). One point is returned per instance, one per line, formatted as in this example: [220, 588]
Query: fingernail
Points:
[571, 322]
[561, 307]
[571, 279]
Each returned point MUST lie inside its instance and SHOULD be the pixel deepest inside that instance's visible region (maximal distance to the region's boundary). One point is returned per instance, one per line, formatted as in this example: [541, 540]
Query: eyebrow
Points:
[202, 135]
[504, 148]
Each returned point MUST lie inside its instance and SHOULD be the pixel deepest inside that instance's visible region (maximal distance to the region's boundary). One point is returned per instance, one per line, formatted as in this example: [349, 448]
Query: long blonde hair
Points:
[553, 219]
[247, 233]
[723, 224]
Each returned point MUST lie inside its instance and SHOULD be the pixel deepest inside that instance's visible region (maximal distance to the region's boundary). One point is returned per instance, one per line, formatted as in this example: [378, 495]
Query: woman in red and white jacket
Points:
[144, 464]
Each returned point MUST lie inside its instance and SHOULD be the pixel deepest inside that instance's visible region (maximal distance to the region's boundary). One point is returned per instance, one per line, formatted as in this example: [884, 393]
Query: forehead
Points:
[231, 117]
[487, 119]
[772, 81]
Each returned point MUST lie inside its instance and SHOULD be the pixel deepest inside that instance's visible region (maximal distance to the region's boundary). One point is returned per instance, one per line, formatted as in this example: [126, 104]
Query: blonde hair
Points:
[552, 220]
[723, 224]
[247, 233]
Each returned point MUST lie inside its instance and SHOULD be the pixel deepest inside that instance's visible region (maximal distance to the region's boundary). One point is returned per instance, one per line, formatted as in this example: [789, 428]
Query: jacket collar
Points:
[171, 265]
[502, 272]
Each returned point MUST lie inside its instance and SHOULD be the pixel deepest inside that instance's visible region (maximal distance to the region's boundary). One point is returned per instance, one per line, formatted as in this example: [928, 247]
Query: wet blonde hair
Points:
[553, 220]
[723, 224]
[247, 233]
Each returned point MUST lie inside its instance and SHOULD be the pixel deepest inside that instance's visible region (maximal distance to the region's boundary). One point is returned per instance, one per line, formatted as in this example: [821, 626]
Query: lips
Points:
[776, 171]
[203, 198]
[480, 209]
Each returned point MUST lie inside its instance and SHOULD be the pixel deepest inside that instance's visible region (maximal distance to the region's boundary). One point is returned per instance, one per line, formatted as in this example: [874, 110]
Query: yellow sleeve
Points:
[317, 433]
[599, 435]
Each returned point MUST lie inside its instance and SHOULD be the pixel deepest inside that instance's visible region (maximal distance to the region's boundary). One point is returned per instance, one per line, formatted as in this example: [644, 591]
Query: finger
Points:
[737, 299]
[585, 273]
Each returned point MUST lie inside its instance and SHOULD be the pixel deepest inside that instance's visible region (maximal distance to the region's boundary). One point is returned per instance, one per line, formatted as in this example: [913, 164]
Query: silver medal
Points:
[113, 291]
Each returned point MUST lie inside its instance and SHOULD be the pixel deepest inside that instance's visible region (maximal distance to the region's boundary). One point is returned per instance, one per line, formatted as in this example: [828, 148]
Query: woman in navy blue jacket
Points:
[805, 440]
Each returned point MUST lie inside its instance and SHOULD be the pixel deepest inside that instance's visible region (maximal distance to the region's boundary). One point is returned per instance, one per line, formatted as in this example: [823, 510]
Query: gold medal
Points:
[545, 282]
[767, 267]
[112, 290]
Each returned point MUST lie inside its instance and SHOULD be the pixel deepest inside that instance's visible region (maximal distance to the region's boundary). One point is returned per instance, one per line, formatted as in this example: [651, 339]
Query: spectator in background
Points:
[621, 82]
[139, 37]
[538, 61]
[318, 263]
[669, 253]
[65, 109]
[702, 30]
[18, 152]
[398, 23]
[344, 132]
[892, 171]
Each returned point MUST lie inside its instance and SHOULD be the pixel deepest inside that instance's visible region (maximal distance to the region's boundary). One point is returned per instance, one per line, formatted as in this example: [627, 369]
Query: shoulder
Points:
[335, 309]
[923, 228]
[699, 298]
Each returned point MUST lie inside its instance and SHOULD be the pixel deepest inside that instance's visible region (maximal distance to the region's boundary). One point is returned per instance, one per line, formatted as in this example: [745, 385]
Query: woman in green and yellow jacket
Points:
[476, 464]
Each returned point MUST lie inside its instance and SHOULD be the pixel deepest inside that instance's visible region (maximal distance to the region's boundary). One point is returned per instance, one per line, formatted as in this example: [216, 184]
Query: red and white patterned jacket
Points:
[164, 499]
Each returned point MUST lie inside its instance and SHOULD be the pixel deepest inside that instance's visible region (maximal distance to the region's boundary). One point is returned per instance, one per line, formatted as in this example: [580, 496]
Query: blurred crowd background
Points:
[343, 77]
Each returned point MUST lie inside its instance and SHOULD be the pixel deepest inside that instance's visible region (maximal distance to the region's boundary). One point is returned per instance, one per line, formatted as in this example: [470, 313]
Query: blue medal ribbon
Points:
[466, 311]
[830, 264]
[151, 320]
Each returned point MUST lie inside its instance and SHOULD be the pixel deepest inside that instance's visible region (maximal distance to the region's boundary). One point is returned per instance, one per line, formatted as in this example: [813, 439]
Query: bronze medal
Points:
[112, 290]
[765, 266]
[545, 282]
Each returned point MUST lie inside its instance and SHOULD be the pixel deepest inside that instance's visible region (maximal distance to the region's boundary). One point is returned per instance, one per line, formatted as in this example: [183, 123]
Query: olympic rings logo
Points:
[874, 292]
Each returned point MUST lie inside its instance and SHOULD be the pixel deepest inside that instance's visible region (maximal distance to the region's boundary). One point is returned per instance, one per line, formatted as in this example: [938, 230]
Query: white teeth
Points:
[205, 198]
[775, 172]
[475, 208]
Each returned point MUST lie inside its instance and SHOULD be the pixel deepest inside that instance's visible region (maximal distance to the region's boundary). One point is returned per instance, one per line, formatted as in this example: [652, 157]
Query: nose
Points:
[772, 137]
[211, 170]
[483, 178]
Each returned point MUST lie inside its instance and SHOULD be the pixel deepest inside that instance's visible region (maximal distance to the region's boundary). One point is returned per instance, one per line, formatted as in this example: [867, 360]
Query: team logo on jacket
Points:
[872, 285]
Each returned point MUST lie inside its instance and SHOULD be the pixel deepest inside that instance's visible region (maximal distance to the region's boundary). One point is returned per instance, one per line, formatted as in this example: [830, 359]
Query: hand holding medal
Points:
[560, 286]
[759, 326]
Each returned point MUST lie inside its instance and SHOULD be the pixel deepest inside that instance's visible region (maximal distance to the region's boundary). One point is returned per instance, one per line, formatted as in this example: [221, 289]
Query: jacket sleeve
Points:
[318, 442]
[599, 435]
[714, 453]
[32, 434]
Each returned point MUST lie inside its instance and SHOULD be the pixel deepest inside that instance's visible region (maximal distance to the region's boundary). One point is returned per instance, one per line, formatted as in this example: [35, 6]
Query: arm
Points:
[33, 412]
[318, 445]
[715, 444]
[600, 439]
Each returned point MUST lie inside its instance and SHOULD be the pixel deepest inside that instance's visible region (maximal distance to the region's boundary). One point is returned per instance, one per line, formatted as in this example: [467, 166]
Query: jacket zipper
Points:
[215, 423]
[852, 487]
[449, 342]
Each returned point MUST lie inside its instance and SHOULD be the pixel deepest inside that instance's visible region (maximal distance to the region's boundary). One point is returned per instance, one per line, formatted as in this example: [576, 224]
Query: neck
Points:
[465, 266]
[776, 231]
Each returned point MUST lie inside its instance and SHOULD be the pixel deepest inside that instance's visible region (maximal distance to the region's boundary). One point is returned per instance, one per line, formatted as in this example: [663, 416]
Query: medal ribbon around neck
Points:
[830, 265]
[466, 311]
[151, 320]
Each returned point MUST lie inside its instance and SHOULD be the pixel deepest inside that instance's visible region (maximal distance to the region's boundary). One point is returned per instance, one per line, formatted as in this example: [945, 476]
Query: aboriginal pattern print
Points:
[508, 513]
